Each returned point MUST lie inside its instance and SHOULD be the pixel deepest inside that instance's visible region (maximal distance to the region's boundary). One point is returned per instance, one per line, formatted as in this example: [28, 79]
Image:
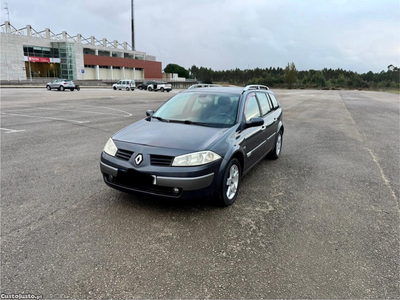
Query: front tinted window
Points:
[211, 109]
[264, 103]
[252, 110]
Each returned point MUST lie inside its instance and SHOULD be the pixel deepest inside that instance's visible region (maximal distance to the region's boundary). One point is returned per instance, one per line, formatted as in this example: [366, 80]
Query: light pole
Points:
[132, 27]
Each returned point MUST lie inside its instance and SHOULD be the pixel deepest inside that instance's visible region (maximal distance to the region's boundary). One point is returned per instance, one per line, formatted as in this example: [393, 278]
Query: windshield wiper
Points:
[160, 119]
[189, 122]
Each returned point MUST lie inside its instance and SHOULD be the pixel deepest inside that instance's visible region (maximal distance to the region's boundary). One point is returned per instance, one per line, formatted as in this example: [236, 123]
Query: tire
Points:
[61, 88]
[230, 184]
[72, 90]
[78, 88]
[162, 89]
[276, 152]
[127, 89]
[140, 88]
[48, 88]
[168, 91]
[132, 90]
[149, 89]
[114, 88]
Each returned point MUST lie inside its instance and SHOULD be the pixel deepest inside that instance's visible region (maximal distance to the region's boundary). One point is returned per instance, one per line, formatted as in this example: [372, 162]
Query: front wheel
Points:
[61, 88]
[230, 183]
[114, 88]
[48, 88]
[149, 89]
[127, 89]
[162, 90]
[276, 152]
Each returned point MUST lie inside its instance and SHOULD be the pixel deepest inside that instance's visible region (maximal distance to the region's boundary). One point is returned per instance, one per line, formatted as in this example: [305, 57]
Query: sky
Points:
[356, 35]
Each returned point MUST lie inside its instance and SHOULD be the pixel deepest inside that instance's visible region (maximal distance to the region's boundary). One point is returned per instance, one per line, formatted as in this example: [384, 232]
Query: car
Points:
[61, 85]
[159, 86]
[202, 85]
[126, 84]
[200, 143]
[144, 85]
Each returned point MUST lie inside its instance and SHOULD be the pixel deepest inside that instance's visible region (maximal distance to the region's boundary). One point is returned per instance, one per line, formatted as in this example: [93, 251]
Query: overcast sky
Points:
[357, 35]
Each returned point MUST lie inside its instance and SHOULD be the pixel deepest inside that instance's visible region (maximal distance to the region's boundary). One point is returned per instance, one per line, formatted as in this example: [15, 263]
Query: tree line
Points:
[291, 78]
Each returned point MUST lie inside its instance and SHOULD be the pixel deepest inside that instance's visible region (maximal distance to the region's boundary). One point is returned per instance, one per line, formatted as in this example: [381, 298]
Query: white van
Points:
[126, 84]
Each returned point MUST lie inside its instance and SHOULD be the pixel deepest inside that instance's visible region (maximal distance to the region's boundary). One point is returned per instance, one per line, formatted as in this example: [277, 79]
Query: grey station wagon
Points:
[200, 143]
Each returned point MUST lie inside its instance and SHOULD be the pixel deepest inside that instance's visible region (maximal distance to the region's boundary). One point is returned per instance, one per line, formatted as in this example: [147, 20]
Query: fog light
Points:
[175, 190]
[110, 177]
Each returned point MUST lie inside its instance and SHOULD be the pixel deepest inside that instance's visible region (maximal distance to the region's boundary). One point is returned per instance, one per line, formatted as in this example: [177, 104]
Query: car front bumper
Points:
[165, 181]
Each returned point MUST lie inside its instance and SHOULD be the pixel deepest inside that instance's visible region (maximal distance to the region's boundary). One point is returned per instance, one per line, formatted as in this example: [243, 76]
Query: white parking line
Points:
[91, 112]
[11, 130]
[48, 118]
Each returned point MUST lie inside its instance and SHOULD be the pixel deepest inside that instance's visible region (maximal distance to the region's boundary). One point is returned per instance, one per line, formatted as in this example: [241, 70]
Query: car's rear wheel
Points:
[61, 88]
[230, 183]
[276, 152]
[72, 90]
[162, 90]
[48, 88]
[114, 88]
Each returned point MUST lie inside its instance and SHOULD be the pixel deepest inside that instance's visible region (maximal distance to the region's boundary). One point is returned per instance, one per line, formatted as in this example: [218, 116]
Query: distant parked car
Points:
[159, 86]
[126, 84]
[144, 85]
[202, 85]
[62, 84]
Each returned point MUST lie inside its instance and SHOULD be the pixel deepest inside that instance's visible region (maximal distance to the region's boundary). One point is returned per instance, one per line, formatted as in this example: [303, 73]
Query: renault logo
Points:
[139, 159]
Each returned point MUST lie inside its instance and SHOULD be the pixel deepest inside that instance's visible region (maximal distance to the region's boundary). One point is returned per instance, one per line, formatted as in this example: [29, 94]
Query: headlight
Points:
[110, 148]
[195, 159]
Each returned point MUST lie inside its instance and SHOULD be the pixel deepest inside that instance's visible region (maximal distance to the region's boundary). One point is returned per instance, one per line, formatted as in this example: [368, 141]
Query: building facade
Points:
[26, 54]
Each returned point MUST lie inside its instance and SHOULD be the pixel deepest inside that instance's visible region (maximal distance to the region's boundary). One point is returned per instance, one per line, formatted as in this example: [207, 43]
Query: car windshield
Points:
[207, 109]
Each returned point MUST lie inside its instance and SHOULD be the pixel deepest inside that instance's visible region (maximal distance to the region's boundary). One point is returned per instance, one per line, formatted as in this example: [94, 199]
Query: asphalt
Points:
[320, 222]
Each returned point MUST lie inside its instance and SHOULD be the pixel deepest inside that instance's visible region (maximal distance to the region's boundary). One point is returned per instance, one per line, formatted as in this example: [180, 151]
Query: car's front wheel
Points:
[48, 88]
[127, 89]
[149, 89]
[162, 89]
[114, 88]
[276, 152]
[230, 183]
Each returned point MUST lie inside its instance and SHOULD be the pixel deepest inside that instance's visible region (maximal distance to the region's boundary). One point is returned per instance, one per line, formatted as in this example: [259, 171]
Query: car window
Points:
[275, 102]
[264, 103]
[252, 110]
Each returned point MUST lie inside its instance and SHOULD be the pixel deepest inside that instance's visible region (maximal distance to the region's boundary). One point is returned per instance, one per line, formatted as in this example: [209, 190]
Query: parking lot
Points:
[320, 222]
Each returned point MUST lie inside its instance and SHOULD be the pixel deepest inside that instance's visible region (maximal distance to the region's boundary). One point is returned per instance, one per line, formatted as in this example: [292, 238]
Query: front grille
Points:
[161, 160]
[124, 154]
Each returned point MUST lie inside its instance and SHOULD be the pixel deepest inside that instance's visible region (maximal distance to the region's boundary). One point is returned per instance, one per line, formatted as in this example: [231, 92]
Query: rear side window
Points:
[275, 102]
[264, 103]
[252, 110]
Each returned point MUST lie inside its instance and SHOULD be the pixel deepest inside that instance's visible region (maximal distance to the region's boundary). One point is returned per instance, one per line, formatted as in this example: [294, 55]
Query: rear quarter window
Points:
[275, 102]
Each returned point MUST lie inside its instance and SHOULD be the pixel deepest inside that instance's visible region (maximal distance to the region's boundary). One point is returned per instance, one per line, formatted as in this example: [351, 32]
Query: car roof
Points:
[222, 89]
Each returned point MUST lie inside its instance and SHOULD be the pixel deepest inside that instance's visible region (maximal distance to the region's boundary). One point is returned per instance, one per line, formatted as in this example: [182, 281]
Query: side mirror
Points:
[255, 122]
[149, 112]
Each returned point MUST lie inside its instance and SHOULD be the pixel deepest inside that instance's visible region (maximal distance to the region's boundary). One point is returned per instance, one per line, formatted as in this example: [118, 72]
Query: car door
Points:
[276, 110]
[254, 137]
[53, 84]
[270, 122]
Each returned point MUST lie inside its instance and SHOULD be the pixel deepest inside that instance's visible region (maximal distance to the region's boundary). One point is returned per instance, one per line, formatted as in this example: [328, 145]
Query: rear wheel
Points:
[61, 88]
[149, 89]
[230, 183]
[48, 88]
[72, 90]
[276, 152]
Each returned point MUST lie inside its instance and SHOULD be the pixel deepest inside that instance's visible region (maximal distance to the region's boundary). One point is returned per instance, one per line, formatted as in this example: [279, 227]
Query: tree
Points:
[174, 68]
[290, 74]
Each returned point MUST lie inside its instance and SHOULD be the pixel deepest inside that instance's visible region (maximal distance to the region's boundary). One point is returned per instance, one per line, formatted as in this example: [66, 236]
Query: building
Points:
[26, 53]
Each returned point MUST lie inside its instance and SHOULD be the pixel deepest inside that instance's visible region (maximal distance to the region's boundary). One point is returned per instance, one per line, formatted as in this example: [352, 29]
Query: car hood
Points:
[169, 135]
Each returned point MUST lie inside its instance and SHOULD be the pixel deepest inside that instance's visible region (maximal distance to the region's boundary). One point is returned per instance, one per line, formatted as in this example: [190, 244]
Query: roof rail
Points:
[255, 87]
